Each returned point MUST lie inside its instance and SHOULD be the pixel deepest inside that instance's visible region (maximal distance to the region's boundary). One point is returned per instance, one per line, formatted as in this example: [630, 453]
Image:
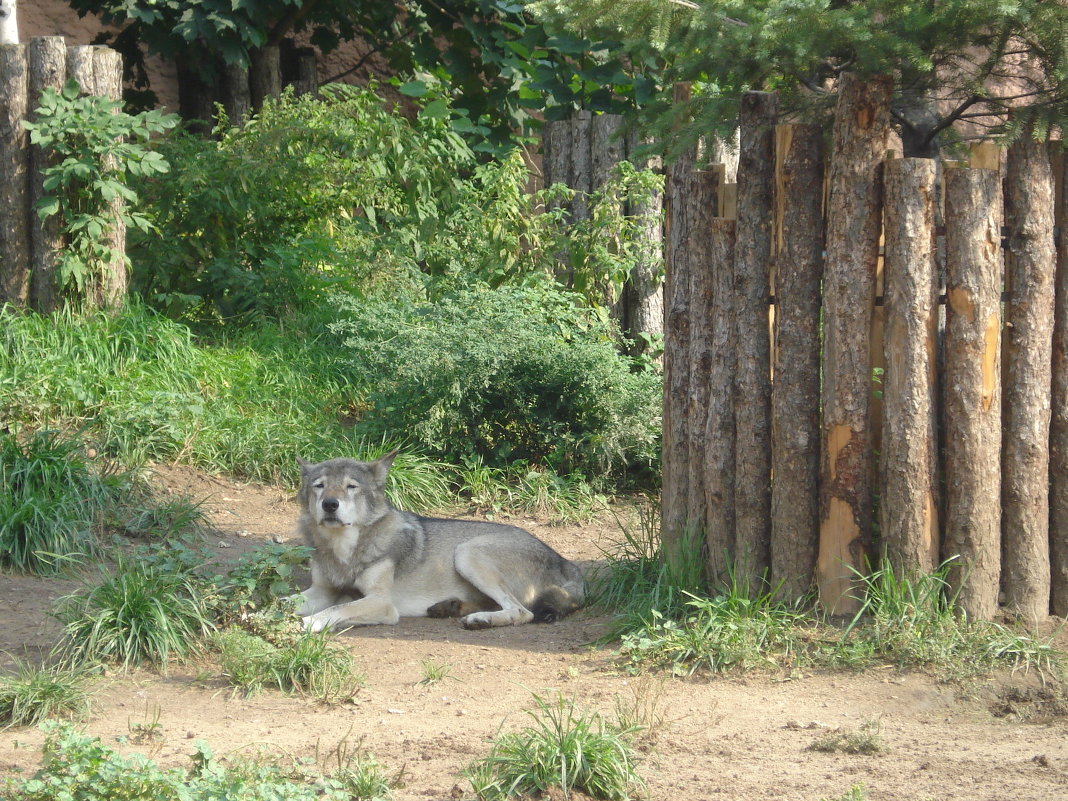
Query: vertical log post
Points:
[1030, 266]
[48, 68]
[581, 163]
[752, 391]
[674, 443]
[265, 75]
[909, 497]
[701, 204]
[1058, 437]
[14, 188]
[606, 151]
[236, 95]
[645, 293]
[98, 71]
[718, 458]
[795, 398]
[861, 130]
[971, 389]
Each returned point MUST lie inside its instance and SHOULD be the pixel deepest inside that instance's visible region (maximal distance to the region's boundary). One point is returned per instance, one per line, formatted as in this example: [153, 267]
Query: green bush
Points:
[502, 375]
[77, 766]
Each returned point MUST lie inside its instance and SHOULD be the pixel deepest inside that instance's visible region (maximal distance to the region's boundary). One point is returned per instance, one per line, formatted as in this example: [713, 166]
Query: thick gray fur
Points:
[374, 564]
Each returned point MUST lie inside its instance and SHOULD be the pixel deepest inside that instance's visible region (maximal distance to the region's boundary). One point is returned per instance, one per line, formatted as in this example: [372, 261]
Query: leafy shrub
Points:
[502, 375]
[136, 614]
[77, 766]
[52, 497]
[94, 149]
[564, 748]
[357, 196]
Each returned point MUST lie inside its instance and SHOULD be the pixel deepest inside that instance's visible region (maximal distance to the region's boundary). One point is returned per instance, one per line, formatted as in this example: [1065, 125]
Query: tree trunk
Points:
[971, 391]
[718, 459]
[1058, 445]
[196, 96]
[236, 96]
[701, 206]
[15, 188]
[98, 71]
[675, 459]
[644, 294]
[909, 498]
[1030, 266]
[265, 75]
[795, 396]
[556, 152]
[48, 68]
[581, 164]
[752, 388]
[606, 151]
[861, 131]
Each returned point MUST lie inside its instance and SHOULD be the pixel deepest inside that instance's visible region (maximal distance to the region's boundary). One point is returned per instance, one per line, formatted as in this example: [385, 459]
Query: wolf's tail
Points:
[556, 602]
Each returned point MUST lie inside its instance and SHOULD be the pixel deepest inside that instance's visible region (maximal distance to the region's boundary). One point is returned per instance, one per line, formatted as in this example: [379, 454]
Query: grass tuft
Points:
[33, 694]
[52, 500]
[301, 662]
[564, 748]
[137, 614]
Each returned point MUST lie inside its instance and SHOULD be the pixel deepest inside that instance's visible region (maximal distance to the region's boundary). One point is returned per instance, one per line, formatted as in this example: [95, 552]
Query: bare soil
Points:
[742, 737]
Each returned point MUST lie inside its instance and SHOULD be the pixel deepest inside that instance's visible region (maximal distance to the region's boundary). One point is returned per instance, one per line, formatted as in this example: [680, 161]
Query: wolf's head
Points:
[344, 492]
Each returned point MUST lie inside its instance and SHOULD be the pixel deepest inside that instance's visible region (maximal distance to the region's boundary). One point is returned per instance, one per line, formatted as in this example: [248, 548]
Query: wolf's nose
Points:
[331, 504]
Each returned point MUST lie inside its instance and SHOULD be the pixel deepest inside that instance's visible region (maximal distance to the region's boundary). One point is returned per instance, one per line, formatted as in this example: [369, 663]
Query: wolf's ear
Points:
[304, 465]
[380, 467]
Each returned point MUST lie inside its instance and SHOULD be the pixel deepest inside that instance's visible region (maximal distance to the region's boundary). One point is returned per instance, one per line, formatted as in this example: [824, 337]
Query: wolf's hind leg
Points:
[477, 566]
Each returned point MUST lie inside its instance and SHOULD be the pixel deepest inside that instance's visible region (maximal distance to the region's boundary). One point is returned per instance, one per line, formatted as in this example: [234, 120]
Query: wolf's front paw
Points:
[476, 620]
[314, 624]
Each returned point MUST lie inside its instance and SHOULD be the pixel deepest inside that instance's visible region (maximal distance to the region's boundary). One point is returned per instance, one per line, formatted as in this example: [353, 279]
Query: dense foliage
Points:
[500, 375]
[358, 195]
[977, 58]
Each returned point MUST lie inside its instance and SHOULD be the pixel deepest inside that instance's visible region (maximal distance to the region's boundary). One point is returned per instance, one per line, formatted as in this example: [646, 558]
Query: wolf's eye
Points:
[317, 485]
[352, 485]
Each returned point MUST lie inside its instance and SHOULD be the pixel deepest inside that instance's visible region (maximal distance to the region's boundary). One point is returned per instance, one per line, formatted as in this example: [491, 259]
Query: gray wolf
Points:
[373, 564]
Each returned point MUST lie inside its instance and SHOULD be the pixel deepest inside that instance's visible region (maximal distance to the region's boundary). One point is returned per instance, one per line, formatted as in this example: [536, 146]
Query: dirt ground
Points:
[743, 737]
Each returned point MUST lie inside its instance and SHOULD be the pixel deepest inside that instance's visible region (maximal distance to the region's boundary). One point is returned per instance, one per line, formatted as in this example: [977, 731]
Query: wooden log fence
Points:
[973, 417]
[29, 245]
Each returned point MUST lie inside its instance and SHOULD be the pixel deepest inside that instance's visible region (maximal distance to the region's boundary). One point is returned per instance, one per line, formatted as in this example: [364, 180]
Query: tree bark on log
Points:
[236, 94]
[48, 68]
[15, 208]
[556, 155]
[644, 294]
[752, 389]
[1030, 267]
[861, 132]
[265, 75]
[306, 81]
[581, 164]
[98, 71]
[1058, 446]
[909, 500]
[971, 389]
[701, 205]
[675, 450]
[718, 458]
[795, 396]
[606, 151]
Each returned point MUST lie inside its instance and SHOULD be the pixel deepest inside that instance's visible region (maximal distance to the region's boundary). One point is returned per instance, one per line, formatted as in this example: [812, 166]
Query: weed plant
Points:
[136, 614]
[564, 748]
[865, 740]
[80, 767]
[434, 672]
[357, 772]
[33, 694]
[302, 662]
[666, 619]
[51, 501]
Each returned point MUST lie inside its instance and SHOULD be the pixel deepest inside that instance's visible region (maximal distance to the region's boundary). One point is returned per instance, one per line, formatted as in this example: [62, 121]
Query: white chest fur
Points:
[9, 29]
[344, 544]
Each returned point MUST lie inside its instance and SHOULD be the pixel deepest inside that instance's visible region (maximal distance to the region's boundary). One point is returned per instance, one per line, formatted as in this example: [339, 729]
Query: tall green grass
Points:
[32, 694]
[51, 501]
[136, 614]
[564, 748]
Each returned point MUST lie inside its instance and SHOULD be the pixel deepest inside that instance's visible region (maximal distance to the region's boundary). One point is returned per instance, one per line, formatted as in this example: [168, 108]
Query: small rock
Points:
[224, 544]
